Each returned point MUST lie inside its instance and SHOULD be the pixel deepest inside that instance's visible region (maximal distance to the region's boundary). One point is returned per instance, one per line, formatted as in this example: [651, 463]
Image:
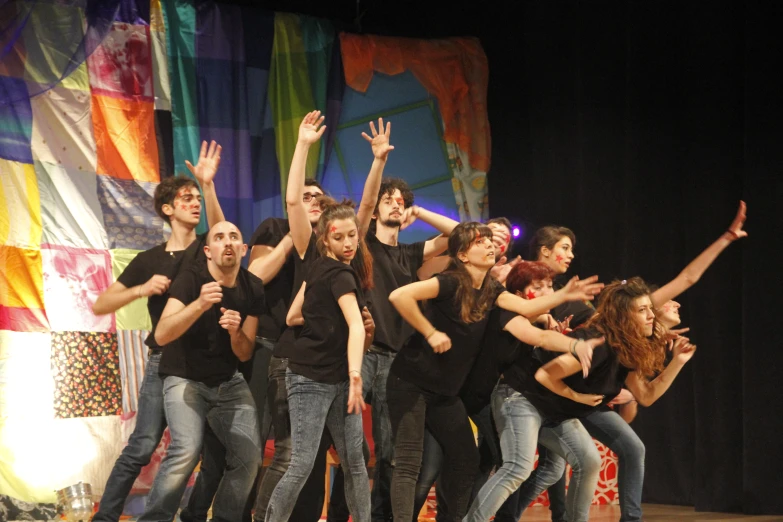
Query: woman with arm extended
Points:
[324, 366]
[427, 374]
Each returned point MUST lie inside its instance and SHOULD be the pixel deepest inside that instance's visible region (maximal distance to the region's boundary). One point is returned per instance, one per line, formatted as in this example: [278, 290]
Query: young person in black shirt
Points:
[324, 366]
[429, 371]
[177, 201]
[212, 314]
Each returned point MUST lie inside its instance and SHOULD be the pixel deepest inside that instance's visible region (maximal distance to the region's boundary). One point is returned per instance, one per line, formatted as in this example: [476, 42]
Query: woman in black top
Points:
[429, 371]
[324, 366]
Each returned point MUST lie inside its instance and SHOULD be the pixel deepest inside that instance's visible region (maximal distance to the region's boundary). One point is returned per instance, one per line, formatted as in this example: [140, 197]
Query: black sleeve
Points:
[136, 273]
[504, 317]
[343, 283]
[257, 304]
[415, 254]
[194, 256]
[268, 233]
[448, 286]
[186, 287]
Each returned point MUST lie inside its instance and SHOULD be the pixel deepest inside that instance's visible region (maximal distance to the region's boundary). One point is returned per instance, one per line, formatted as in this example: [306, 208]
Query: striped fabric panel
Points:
[133, 361]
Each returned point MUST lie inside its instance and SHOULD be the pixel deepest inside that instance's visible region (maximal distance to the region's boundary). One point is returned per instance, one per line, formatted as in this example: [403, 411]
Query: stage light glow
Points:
[515, 231]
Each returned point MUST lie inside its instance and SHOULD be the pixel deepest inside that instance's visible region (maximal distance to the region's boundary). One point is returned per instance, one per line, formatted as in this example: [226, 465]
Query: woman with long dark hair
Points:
[429, 371]
[324, 366]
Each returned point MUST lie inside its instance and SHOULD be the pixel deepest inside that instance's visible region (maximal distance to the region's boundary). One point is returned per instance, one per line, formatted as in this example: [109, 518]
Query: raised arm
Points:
[406, 300]
[693, 272]
[442, 224]
[177, 318]
[574, 290]
[266, 261]
[242, 338]
[551, 375]
[647, 392]
[521, 328]
[310, 131]
[353, 316]
[204, 171]
[118, 295]
[380, 151]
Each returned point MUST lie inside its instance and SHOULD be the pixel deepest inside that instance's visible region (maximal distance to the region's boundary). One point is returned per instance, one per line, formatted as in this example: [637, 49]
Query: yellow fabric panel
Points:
[20, 205]
[133, 316]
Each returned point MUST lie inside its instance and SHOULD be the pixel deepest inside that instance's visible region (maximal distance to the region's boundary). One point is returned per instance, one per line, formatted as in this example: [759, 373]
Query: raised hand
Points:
[409, 215]
[671, 335]
[380, 140]
[208, 162]
[211, 293]
[564, 326]
[582, 290]
[500, 239]
[683, 349]
[440, 342]
[355, 397]
[311, 129]
[735, 229]
[230, 320]
[584, 352]
[157, 285]
[501, 269]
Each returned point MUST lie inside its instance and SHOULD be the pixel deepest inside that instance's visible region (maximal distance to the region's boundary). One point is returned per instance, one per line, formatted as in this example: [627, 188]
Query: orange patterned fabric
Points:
[453, 70]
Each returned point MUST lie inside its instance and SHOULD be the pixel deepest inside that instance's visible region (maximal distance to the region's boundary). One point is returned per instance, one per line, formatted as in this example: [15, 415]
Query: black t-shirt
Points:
[285, 342]
[277, 292]
[203, 353]
[443, 373]
[320, 350]
[157, 261]
[581, 310]
[606, 377]
[393, 267]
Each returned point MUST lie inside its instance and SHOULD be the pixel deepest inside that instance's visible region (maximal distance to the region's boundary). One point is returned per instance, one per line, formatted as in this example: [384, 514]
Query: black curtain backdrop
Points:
[641, 125]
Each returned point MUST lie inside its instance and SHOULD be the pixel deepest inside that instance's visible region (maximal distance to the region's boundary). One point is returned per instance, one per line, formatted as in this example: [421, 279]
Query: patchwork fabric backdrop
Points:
[99, 101]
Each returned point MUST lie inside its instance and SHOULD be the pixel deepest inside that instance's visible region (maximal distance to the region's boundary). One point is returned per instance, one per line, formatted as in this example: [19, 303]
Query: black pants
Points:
[411, 409]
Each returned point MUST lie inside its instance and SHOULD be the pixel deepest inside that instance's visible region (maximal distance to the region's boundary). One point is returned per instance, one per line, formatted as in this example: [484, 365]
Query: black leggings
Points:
[410, 410]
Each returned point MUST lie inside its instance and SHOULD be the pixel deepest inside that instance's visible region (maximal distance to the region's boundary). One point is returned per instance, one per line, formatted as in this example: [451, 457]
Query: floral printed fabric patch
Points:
[86, 371]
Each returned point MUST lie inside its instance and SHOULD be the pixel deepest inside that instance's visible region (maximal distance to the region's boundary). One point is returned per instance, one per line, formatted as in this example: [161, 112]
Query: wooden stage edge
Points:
[652, 513]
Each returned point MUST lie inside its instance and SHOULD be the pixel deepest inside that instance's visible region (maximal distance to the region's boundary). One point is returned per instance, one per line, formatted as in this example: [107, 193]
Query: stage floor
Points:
[652, 512]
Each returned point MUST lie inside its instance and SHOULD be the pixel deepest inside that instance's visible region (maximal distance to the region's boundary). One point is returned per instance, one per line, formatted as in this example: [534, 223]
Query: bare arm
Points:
[380, 150]
[309, 133]
[406, 300]
[356, 334]
[294, 316]
[647, 392]
[204, 171]
[575, 290]
[696, 268]
[266, 261]
[434, 265]
[442, 224]
[177, 318]
[118, 295]
[551, 375]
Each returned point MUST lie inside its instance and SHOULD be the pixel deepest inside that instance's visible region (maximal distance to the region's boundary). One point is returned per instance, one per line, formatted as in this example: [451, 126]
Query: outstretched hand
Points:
[311, 129]
[208, 162]
[683, 349]
[735, 229]
[582, 290]
[380, 140]
[501, 269]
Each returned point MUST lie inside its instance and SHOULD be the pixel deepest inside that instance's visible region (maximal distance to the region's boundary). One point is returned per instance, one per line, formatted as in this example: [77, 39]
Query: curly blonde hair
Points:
[623, 334]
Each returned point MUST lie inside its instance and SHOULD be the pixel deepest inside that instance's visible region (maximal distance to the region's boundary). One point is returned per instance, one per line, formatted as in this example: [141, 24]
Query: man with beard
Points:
[212, 312]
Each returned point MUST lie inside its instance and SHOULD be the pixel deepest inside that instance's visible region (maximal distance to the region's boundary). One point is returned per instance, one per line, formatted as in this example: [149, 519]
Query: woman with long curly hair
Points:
[427, 374]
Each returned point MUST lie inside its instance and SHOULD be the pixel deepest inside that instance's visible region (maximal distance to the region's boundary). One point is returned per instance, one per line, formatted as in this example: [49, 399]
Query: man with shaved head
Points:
[208, 326]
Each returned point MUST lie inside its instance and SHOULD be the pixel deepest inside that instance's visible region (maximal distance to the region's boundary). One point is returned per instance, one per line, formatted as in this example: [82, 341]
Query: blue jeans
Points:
[520, 426]
[313, 405]
[515, 505]
[231, 413]
[150, 424]
[375, 373]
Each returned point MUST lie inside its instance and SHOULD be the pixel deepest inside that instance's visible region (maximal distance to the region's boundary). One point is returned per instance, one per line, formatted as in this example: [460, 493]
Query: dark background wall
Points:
[641, 125]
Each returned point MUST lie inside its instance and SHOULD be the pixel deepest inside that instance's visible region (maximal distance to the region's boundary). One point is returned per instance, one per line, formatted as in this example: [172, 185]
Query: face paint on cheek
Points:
[559, 258]
[502, 248]
[530, 294]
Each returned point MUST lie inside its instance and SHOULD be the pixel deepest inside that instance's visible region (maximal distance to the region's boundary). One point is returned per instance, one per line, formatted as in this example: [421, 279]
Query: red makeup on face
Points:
[333, 229]
[400, 201]
[559, 258]
[530, 294]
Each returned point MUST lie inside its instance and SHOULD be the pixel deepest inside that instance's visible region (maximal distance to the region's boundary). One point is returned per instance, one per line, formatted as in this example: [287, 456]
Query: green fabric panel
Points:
[290, 94]
[318, 36]
[133, 316]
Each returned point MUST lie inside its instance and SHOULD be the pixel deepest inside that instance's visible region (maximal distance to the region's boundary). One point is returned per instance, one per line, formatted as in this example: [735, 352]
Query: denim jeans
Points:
[411, 409]
[375, 373]
[150, 424]
[231, 413]
[312, 406]
[520, 427]
[213, 457]
[515, 505]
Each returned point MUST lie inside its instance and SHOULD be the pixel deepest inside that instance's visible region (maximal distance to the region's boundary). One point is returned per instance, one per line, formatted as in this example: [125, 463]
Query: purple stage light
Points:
[515, 231]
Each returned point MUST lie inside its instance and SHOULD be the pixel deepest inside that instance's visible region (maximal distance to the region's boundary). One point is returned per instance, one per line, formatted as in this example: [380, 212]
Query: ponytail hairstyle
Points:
[331, 210]
[524, 273]
[471, 308]
[634, 350]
